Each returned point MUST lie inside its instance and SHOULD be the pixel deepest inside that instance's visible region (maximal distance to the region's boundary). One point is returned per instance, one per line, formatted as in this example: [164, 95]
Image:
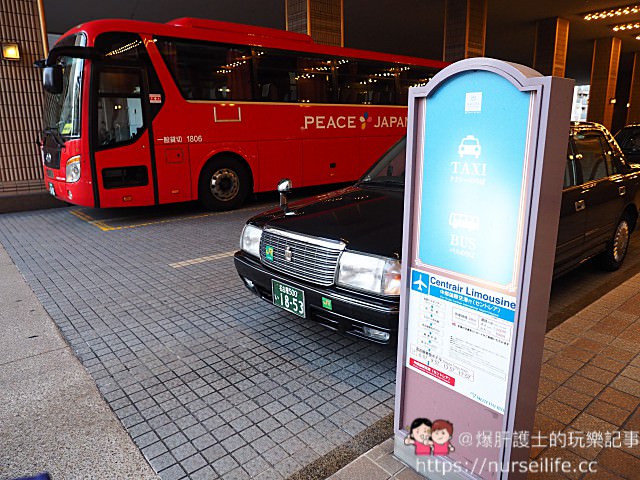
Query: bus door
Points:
[124, 163]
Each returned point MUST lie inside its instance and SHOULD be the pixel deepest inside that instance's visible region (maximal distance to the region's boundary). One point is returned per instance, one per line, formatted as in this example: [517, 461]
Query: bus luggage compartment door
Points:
[174, 176]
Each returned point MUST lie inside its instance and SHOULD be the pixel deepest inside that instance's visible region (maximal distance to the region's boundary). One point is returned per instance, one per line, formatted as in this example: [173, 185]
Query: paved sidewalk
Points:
[590, 385]
[52, 417]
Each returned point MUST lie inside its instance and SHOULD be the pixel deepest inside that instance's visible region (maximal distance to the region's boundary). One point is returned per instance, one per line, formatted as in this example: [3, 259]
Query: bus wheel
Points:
[224, 184]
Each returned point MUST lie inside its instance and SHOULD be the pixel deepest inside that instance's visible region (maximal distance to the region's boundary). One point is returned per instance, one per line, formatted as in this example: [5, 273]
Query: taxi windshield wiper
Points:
[396, 180]
[55, 134]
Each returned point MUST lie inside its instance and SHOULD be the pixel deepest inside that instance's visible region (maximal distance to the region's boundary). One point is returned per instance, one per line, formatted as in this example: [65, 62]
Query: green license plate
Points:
[289, 298]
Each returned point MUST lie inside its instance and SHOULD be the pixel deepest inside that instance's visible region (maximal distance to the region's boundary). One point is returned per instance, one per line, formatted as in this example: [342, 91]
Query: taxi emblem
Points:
[288, 254]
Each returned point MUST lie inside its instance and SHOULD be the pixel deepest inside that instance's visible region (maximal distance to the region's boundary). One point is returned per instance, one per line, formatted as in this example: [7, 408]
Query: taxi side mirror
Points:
[284, 187]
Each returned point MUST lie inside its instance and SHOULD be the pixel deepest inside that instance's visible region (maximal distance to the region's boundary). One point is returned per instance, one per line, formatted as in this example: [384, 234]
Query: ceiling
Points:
[410, 27]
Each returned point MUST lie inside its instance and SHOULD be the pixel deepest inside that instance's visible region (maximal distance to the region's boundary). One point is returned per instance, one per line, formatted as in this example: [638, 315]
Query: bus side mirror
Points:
[52, 79]
[284, 187]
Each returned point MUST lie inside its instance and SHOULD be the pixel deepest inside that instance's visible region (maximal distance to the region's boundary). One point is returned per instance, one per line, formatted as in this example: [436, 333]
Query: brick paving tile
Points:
[571, 351]
[544, 425]
[588, 344]
[570, 364]
[619, 354]
[549, 372]
[576, 442]
[617, 461]
[552, 344]
[633, 422]
[584, 385]
[571, 397]
[558, 411]
[627, 385]
[632, 372]
[588, 423]
[619, 398]
[631, 306]
[601, 474]
[608, 412]
[597, 374]
[627, 344]
[607, 363]
[551, 454]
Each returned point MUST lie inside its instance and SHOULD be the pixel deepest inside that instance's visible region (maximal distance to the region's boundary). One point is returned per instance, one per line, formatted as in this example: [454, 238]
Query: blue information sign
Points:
[475, 143]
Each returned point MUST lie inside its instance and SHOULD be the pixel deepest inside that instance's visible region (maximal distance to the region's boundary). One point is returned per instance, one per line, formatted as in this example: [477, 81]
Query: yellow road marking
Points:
[194, 261]
[105, 227]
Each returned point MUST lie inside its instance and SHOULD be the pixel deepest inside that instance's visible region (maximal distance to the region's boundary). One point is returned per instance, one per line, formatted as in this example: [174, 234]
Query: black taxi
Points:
[335, 258]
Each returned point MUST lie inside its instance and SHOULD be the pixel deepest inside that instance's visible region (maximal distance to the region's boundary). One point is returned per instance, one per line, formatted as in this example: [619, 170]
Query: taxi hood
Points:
[367, 218]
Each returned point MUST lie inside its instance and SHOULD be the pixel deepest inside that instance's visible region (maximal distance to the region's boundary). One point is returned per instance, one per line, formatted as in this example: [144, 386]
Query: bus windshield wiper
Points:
[53, 132]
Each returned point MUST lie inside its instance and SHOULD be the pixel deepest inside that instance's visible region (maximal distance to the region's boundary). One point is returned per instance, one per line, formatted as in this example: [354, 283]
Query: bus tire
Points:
[224, 183]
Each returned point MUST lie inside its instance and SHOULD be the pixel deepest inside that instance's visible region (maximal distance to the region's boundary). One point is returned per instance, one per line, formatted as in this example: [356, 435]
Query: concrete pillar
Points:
[550, 49]
[465, 27]
[633, 112]
[604, 75]
[322, 19]
[21, 99]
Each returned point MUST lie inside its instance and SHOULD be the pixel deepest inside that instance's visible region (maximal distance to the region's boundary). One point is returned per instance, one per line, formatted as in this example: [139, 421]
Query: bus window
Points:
[367, 83]
[412, 76]
[120, 116]
[205, 71]
[276, 76]
[313, 80]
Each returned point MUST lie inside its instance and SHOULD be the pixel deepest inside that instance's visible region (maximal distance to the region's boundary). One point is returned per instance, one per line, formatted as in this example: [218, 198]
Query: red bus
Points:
[140, 113]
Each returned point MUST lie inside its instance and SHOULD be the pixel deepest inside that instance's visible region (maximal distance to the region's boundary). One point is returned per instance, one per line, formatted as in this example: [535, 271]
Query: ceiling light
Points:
[612, 12]
[10, 51]
[626, 26]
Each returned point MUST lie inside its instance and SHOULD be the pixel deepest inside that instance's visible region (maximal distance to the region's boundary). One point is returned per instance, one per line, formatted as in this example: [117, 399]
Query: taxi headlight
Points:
[370, 273]
[250, 240]
[73, 169]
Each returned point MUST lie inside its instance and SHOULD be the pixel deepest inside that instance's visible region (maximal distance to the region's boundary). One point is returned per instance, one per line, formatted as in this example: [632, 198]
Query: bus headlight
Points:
[250, 240]
[366, 272]
[73, 169]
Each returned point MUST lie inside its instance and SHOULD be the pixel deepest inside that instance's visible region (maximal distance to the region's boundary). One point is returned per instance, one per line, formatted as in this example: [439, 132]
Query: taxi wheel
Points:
[612, 258]
[224, 184]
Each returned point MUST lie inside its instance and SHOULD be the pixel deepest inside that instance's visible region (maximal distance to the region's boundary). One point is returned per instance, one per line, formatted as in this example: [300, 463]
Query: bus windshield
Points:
[62, 111]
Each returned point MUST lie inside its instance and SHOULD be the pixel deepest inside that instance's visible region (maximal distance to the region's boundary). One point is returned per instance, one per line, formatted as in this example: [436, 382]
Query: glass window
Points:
[590, 155]
[62, 111]
[277, 77]
[120, 116]
[367, 83]
[206, 71]
[412, 76]
[389, 170]
[314, 80]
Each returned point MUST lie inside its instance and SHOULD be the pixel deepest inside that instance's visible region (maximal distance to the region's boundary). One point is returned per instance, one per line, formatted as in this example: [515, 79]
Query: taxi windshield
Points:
[389, 170]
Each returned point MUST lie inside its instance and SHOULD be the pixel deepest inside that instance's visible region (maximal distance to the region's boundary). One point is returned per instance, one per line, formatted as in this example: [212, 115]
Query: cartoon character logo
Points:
[430, 438]
[364, 119]
[441, 433]
[420, 436]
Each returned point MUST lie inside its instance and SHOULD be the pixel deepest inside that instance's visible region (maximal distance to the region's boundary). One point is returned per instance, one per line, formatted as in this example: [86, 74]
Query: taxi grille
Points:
[311, 260]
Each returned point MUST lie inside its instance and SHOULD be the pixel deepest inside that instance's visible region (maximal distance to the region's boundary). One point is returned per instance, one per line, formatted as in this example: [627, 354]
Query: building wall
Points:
[21, 99]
